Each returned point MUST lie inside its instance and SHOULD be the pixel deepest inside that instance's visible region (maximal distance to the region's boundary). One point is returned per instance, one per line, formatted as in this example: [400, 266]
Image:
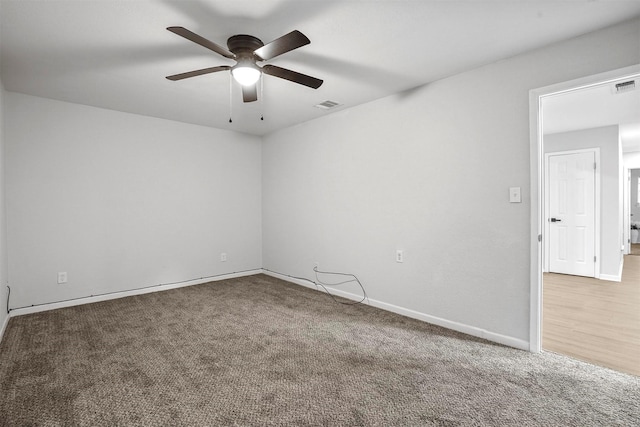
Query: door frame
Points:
[626, 215]
[536, 156]
[597, 207]
[631, 165]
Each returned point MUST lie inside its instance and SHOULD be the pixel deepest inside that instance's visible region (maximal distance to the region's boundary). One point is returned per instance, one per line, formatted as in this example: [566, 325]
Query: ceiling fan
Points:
[247, 50]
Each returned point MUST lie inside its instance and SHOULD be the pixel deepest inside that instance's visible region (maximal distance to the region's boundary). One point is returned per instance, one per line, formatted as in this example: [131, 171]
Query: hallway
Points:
[594, 320]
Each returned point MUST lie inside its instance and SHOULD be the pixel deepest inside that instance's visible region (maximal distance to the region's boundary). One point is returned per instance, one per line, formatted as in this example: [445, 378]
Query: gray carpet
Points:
[259, 351]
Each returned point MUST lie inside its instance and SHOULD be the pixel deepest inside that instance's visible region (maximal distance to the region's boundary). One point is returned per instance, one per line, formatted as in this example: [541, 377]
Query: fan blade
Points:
[284, 44]
[249, 93]
[198, 72]
[293, 76]
[201, 41]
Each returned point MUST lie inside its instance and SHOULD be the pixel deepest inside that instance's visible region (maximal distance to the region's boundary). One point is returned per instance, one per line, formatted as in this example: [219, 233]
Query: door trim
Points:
[596, 153]
[536, 158]
[626, 214]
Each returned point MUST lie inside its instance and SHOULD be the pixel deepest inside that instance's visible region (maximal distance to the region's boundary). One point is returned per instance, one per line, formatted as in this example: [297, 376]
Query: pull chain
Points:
[230, 98]
[262, 96]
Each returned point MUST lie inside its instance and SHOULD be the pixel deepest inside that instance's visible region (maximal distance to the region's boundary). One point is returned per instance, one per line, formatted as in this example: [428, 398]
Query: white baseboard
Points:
[4, 326]
[456, 326]
[614, 278]
[123, 294]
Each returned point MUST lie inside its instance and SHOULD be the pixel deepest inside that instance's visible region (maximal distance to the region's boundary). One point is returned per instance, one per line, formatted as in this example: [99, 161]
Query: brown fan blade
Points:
[249, 93]
[293, 76]
[198, 72]
[284, 44]
[201, 41]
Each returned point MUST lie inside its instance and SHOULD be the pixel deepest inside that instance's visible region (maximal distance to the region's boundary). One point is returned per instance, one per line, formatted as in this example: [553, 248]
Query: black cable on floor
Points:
[355, 279]
[322, 285]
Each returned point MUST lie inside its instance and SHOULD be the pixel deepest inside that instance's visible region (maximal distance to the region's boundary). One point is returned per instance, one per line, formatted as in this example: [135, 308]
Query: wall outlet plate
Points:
[62, 277]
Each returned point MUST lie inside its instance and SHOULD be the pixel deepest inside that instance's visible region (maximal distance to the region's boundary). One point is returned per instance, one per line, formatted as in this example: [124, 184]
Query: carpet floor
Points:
[260, 351]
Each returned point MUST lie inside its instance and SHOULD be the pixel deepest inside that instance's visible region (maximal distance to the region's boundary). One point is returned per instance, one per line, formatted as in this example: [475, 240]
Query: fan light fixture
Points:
[246, 50]
[245, 75]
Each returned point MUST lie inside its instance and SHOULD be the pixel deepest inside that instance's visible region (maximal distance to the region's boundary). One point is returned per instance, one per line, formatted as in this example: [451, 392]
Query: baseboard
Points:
[614, 278]
[4, 326]
[456, 326]
[115, 295]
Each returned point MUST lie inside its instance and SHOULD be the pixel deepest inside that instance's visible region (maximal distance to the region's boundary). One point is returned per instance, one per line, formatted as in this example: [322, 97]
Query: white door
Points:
[571, 213]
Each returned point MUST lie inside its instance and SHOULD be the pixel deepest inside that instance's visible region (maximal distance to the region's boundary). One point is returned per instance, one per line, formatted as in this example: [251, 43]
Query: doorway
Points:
[540, 231]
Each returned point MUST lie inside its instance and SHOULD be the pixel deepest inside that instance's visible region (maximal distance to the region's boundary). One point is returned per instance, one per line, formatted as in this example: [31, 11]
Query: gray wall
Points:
[427, 171]
[121, 201]
[607, 139]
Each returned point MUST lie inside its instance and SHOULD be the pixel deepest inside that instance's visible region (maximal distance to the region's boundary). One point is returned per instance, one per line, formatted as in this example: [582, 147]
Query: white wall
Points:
[631, 160]
[3, 218]
[121, 201]
[611, 208]
[405, 172]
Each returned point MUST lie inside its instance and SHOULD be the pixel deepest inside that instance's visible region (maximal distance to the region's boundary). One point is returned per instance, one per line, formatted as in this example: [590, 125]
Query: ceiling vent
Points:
[625, 86]
[327, 105]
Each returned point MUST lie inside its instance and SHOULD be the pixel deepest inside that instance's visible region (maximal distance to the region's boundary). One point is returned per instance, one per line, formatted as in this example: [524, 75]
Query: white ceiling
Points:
[596, 106]
[115, 53]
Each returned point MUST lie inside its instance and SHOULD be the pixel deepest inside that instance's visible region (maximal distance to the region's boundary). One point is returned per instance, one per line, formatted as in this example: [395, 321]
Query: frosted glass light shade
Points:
[246, 76]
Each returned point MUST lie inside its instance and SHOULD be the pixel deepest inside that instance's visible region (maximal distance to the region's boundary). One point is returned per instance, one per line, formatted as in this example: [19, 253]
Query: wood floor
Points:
[594, 320]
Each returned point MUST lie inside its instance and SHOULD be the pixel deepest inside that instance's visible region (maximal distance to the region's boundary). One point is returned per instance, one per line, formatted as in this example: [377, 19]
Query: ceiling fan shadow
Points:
[412, 91]
[264, 19]
[364, 73]
[127, 56]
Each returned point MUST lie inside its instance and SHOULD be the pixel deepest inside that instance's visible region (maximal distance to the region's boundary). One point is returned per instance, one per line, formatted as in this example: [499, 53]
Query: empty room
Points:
[317, 212]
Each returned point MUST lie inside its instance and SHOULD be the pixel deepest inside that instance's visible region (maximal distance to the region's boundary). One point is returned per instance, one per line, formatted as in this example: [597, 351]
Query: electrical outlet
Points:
[399, 256]
[223, 257]
[62, 277]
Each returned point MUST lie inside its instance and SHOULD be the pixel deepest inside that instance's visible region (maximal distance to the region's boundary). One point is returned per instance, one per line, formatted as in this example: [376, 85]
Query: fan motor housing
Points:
[244, 44]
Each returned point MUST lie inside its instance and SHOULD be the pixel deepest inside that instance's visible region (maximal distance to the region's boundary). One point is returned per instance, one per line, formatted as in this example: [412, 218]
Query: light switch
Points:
[514, 195]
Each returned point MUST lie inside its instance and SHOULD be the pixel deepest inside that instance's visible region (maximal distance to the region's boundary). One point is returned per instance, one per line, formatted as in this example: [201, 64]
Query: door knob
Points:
[555, 220]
